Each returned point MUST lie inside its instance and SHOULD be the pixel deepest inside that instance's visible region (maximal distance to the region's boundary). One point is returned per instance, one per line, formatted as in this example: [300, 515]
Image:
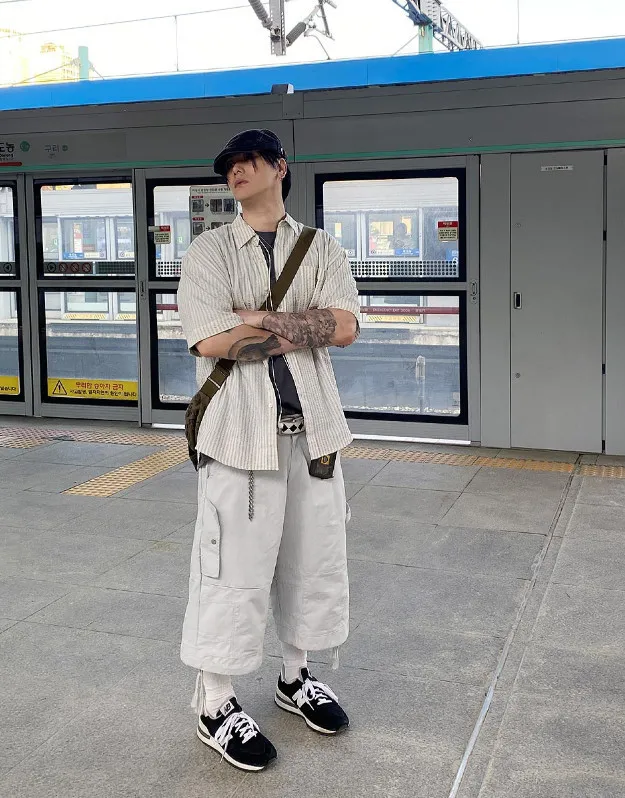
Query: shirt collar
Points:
[243, 233]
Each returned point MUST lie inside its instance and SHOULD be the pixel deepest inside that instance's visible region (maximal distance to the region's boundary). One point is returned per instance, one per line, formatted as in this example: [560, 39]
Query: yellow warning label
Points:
[9, 386]
[85, 316]
[92, 389]
[394, 319]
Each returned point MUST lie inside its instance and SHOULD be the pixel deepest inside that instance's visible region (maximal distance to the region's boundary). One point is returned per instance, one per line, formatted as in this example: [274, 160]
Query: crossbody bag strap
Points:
[278, 291]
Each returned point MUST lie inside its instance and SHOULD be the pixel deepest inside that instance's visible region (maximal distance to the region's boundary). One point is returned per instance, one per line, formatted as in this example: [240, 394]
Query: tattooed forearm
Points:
[254, 348]
[313, 328]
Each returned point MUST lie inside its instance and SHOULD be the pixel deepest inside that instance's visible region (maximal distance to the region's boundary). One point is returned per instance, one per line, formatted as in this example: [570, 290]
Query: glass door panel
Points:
[402, 230]
[89, 354]
[85, 229]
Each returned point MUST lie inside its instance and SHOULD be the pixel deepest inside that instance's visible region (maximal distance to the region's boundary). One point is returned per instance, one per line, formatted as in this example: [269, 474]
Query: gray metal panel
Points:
[462, 94]
[195, 141]
[469, 129]
[557, 335]
[145, 115]
[614, 308]
[495, 300]
[25, 321]
[99, 413]
[32, 355]
[144, 355]
[408, 429]
[13, 409]
[162, 416]
[472, 296]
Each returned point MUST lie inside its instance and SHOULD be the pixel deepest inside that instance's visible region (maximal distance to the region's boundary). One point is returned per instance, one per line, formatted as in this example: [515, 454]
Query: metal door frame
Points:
[304, 187]
[23, 407]
[41, 408]
[143, 179]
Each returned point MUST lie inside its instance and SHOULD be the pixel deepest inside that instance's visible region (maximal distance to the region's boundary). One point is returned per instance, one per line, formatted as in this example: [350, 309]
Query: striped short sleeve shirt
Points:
[225, 269]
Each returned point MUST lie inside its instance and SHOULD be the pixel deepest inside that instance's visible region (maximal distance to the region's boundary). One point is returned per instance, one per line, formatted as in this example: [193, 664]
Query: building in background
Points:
[25, 60]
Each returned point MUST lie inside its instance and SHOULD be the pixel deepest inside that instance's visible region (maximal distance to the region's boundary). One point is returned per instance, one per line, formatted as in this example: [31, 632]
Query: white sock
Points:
[293, 660]
[217, 689]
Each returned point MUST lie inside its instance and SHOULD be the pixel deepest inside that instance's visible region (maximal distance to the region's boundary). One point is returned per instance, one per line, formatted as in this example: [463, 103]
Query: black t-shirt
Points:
[286, 392]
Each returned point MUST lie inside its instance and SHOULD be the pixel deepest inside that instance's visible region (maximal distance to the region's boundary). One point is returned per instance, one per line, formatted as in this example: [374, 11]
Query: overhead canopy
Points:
[426, 68]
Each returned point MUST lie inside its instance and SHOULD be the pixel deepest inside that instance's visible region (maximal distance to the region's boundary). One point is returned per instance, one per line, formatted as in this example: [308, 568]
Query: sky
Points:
[227, 34]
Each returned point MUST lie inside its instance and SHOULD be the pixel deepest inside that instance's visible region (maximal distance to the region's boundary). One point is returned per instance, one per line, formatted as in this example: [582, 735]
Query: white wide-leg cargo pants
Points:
[293, 549]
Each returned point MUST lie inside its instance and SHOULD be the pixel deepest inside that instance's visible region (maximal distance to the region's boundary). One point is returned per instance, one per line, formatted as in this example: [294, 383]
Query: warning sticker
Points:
[162, 238]
[9, 386]
[448, 231]
[93, 389]
[558, 168]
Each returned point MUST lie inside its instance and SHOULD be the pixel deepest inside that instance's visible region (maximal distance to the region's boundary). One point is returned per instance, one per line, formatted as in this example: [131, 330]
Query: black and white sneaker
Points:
[236, 737]
[314, 701]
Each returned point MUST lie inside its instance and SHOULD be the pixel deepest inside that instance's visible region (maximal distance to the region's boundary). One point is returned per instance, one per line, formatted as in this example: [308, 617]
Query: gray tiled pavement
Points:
[447, 563]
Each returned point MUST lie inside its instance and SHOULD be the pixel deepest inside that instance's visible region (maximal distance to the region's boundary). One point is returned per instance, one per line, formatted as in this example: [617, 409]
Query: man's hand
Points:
[311, 329]
[253, 318]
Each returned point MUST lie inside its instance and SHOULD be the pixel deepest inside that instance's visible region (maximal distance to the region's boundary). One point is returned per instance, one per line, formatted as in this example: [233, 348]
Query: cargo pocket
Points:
[210, 540]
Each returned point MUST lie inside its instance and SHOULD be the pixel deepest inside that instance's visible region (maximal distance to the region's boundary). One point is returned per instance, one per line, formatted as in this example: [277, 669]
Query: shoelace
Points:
[236, 722]
[312, 690]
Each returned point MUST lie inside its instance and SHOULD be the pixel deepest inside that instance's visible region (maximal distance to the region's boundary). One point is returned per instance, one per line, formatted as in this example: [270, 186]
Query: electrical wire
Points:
[108, 24]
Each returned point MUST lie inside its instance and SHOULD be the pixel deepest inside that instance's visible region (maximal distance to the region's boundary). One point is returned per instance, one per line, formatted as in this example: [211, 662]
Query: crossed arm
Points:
[265, 333]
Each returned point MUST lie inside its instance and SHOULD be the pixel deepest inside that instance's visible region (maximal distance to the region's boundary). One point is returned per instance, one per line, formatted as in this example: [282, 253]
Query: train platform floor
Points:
[487, 639]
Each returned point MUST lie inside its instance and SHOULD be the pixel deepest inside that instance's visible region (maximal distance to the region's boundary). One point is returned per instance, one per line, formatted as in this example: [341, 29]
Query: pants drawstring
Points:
[197, 702]
[335, 658]
[250, 491]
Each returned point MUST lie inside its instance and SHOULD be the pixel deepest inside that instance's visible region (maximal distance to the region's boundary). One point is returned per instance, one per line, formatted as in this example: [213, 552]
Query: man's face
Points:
[250, 176]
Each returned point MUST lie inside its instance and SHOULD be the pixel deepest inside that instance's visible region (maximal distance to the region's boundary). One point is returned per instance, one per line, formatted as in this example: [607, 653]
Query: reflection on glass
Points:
[91, 345]
[176, 371]
[397, 227]
[343, 227]
[87, 229]
[51, 239]
[393, 234]
[9, 346]
[182, 232]
[171, 206]
[7, 232]
[125, 239]
[407, 358]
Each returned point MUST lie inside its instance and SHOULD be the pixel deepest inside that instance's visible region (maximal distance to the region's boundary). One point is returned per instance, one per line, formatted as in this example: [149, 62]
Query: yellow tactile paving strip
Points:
[129, 475]
[367, 453]
[21, 437]
[174, 452]
[611, 472]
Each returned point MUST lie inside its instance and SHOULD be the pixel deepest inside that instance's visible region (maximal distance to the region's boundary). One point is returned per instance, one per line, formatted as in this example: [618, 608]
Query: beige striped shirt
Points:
[225, 269]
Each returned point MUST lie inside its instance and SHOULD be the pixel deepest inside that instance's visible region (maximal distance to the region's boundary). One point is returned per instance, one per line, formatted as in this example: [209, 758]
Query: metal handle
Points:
[516, 301]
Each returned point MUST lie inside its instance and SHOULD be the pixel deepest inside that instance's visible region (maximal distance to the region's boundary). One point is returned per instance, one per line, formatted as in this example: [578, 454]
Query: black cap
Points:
[246, 142]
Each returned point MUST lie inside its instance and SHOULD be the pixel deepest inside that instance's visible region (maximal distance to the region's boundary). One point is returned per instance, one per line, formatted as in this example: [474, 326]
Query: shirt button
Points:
[214, 541]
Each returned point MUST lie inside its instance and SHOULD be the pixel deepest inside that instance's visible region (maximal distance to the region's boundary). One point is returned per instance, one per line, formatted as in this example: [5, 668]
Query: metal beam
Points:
[447, 29]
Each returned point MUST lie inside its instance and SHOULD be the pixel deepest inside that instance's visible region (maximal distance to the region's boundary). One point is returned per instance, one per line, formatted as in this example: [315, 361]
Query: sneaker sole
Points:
[284, 702]
[211, 743]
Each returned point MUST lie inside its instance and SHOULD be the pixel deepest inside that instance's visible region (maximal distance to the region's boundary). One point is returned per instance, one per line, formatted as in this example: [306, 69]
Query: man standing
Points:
[266, 527]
